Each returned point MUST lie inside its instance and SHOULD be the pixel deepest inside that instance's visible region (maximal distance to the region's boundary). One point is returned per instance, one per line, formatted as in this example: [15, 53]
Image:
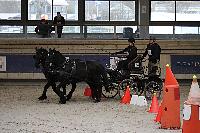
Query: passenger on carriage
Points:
[131, 51]
[153, 51]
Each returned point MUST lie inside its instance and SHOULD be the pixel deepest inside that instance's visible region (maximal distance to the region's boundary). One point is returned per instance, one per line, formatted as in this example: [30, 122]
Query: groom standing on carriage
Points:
[153, 51]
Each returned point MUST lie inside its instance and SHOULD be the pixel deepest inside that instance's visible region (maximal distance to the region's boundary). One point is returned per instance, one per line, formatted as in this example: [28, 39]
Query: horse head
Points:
[40, 57]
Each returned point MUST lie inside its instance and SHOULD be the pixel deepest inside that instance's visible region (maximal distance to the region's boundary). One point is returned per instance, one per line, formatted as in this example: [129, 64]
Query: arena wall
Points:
[182, 55]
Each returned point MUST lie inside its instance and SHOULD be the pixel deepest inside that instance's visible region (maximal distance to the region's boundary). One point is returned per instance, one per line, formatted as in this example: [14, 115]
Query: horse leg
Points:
[94, 92]
[44, 96]
[64, 89]
[72, 90]
[99, 91]
[59, 93]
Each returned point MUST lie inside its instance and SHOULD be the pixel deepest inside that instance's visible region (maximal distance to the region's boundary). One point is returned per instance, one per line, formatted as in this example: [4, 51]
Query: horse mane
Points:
[41, 50]
[59, 58]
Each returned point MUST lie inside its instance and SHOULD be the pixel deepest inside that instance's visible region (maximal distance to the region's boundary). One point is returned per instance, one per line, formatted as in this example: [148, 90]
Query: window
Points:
[160, 29]
[39, 9]
[188, 11]
[119, 29]
[11, 29]
[31, 29]
[71, 29]
[122, 10]
[10, 9]
[162, 10]
[67, 8]
[96, 10]
[186, 30]
[107, 10]
[100, 29]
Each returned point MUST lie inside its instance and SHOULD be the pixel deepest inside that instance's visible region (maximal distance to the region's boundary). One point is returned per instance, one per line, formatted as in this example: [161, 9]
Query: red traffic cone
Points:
[127, 96]
[158, 116]
[87, 91]
[154, 105]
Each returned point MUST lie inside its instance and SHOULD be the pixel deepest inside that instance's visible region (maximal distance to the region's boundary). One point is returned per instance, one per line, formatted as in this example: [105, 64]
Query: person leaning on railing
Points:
[58, 23]
[43, 29]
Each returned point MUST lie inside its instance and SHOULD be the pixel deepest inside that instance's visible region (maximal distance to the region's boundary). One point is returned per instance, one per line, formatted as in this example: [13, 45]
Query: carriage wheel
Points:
[153, 87]
[112, 93]
[131, 84]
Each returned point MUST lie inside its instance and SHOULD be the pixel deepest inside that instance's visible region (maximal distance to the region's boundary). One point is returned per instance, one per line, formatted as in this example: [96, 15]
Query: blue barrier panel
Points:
[185, 64]
[25, 63]
[20, 63]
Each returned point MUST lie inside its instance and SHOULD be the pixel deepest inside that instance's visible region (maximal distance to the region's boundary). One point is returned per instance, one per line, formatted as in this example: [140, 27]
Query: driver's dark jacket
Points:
[132, 52]
[153, 50]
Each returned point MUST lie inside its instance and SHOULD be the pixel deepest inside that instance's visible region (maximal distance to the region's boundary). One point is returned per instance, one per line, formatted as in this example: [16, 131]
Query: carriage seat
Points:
[135, 66]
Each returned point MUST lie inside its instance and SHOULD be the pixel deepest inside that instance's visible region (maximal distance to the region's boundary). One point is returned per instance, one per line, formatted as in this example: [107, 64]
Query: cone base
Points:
[193, 124]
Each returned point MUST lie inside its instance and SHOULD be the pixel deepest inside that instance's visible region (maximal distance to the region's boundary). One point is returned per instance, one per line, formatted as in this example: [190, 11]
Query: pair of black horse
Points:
[58, 69]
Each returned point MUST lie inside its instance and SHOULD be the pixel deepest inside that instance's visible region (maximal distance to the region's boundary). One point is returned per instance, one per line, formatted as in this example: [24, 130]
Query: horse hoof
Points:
[42, 97]
[96, 101]
[63, 100]
[68, 98]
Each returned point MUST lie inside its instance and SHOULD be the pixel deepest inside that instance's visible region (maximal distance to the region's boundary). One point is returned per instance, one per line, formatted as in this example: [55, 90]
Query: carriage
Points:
[136, 78]
[57, 69]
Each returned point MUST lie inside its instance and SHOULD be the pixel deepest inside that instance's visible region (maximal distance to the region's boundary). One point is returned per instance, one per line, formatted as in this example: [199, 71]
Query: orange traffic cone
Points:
[169, 77]
[191, 111]
[170, 117]
[87, 91]
[158, 116]
[154, 105]
[127, 96]
[191, 122]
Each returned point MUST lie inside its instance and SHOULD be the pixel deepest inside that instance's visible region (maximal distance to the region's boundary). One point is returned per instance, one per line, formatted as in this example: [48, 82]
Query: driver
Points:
[131, 51]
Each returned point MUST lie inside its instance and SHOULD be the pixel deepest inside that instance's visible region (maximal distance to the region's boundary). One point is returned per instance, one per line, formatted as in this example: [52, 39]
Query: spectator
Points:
[43, 29]
[58, 22]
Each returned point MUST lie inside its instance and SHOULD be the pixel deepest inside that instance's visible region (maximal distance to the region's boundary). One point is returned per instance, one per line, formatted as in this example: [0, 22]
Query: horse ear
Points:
[36, 48]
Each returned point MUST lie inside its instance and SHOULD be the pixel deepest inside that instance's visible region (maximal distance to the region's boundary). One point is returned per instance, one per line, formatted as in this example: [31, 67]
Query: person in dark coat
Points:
[153, 51]
[131, 51]
[58, 22]
[43, 29]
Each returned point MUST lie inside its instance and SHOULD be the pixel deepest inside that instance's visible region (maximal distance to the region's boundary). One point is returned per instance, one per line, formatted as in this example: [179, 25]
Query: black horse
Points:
[75, 70]
[40, 61]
